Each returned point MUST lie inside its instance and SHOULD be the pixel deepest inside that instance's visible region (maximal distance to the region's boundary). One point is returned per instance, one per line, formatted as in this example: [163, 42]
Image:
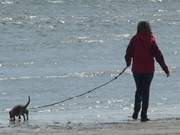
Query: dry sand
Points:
[169, 126]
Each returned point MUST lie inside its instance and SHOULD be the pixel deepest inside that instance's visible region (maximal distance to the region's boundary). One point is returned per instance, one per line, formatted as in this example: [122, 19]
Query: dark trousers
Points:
[143, 82]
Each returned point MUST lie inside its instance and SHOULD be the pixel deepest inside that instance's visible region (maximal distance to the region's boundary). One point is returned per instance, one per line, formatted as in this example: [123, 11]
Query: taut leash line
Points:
[82, 94]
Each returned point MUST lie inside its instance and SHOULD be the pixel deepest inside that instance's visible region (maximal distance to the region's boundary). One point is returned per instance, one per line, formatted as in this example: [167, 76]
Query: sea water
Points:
[55, 49]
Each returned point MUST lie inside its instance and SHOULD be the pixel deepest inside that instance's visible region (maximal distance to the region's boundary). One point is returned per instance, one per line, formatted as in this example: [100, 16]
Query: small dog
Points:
[19, 110]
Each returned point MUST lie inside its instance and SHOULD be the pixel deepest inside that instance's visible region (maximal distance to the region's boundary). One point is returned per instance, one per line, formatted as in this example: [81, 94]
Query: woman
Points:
[142, 50]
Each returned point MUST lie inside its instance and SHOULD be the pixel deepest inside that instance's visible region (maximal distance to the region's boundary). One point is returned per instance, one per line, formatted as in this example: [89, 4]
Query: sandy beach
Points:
[169, 126]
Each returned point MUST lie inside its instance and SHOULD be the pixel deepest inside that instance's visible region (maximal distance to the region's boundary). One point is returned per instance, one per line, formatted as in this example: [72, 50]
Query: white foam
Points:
[3, 93]
[90, 108]
[94, 41]
[164, 98]
[55, 1]
[7, 19]
[7, 2]
[62, 21]
[161, 10]
[32, 17]
[156, 0]
[126, 35]
[47, 110]
[97, 102]
[109, 102]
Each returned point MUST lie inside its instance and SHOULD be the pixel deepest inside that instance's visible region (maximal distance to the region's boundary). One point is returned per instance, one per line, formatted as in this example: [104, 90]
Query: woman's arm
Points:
[159, 58]
[129, 53]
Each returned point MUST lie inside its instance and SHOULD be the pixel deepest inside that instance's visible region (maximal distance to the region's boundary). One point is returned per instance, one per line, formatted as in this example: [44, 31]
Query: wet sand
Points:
[168, 126]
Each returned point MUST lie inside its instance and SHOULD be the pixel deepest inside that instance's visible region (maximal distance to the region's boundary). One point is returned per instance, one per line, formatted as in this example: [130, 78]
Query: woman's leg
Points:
[138, 95]
[147, 78]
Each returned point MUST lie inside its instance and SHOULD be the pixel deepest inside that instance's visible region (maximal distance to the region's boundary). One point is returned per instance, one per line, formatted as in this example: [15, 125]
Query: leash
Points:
[82, 94]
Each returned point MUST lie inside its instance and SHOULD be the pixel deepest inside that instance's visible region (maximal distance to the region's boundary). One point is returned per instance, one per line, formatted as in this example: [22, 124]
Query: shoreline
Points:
[166, 126]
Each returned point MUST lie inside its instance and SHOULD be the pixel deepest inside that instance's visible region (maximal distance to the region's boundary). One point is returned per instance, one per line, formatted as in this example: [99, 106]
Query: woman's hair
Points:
[144, 26]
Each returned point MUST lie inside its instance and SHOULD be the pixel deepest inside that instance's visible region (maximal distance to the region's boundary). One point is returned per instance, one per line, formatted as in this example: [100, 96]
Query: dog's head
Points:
[11, 115]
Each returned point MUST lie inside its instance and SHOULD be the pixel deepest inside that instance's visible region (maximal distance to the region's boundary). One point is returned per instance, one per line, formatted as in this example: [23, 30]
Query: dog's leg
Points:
[27, 116]
[13, 119]
[23, 116]
[19, 117]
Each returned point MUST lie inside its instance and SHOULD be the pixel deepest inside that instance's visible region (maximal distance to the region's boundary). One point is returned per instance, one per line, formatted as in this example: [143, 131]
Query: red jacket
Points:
[142, 49]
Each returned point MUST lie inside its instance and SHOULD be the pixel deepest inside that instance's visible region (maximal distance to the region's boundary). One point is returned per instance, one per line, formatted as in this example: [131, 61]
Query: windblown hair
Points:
[144, 26]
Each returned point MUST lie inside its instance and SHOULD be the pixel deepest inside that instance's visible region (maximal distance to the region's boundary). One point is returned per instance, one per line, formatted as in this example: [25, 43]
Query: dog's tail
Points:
[27, 102]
